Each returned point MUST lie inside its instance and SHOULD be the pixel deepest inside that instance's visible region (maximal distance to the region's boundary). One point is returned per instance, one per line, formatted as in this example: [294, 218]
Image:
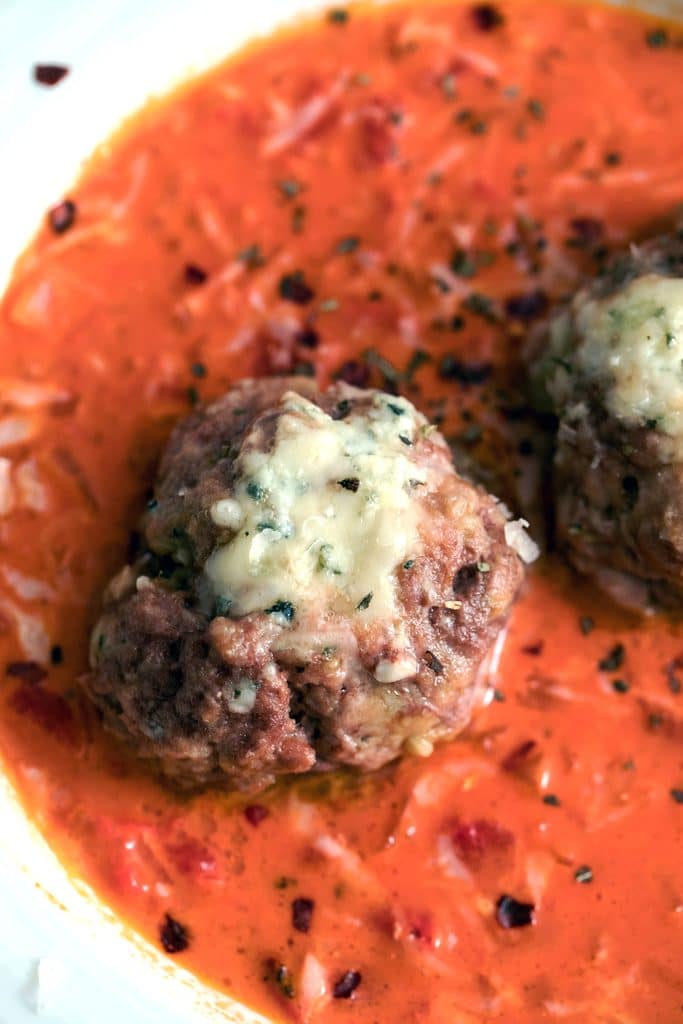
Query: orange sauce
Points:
[422, 165]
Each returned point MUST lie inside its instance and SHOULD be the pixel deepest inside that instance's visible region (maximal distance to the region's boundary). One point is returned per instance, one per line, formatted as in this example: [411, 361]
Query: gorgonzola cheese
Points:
[322, 519]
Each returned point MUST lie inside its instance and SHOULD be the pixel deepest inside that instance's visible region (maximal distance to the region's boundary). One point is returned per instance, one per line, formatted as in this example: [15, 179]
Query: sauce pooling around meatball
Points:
[319, 586]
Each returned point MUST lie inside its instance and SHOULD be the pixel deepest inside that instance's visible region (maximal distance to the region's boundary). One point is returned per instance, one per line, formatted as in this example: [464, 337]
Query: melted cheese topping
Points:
[325, 516]
[636, 339]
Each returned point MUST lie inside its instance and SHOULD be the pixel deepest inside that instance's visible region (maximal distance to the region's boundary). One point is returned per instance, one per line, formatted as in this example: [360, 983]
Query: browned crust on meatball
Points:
[165, 672]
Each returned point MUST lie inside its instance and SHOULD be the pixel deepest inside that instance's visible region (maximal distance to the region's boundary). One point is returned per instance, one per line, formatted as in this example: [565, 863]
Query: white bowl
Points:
[63, 955]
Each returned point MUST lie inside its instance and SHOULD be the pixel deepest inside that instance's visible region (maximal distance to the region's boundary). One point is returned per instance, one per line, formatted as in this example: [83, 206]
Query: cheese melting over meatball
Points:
[631, 341]
[325, 516]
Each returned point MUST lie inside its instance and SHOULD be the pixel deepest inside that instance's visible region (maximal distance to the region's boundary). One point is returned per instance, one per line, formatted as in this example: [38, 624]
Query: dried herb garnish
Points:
[364, 602]
[584, 874]
[198, 370]
[302, 914]
[586, 624]
[62, 216]
[614, 660]
[536, 108]
[350, 483]
[28, 671]
[657, 38]
[471, 373]
[338, 16]
[282, 976]
[620, 686]
[347, 245]
[481, 305]
[676, 795]
[294, 288]
[174, 936]
[284, 608]
[49, 74]
[433, 663]
[511, 913]
[527, 306]
[551, 800]
[345, 986]
[252, 256]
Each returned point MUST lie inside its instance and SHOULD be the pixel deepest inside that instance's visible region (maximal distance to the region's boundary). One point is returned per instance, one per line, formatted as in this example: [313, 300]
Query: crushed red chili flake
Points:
[486, 17]
[346, 985]
[49, 74]
[255, 814]
[533, 649]
[354, 373]
[474, 839]
[308, 338]
[302, 914]
[174, 936]
[194, 274]
[520, 756]
[29, 671]
[511, 913]
[48, 710]
[294, 288]
[586, 231]
[62, 216]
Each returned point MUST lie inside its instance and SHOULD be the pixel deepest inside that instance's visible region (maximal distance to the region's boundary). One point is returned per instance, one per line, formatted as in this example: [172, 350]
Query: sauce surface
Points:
[435, 175]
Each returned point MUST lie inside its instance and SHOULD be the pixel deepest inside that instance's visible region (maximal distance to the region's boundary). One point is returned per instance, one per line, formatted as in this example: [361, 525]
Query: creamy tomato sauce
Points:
[433, 177]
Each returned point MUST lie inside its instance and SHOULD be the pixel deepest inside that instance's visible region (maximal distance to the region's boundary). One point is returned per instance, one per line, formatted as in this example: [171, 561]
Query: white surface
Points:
[73, 965]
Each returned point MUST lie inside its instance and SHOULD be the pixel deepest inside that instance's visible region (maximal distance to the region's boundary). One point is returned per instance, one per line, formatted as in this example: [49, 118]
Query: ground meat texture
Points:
[610, 370]
[279, 619]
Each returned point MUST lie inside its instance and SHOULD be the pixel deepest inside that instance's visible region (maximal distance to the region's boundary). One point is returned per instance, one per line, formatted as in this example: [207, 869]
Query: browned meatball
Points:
[319, 587]
[611, 371]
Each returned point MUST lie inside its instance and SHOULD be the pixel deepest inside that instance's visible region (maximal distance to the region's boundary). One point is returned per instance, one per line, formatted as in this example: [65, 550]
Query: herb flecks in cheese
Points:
[633, 342]
[325, 516]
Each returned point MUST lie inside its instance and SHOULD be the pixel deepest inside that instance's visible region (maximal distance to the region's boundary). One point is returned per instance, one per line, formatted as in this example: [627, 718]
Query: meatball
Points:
[318, 587]
[612, 372]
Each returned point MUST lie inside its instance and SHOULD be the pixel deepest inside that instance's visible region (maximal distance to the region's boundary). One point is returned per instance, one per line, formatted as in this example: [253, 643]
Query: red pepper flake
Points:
[511, 913]
[49, 74]
[533, 649]
[520, 756]
[354, 373]
[586, 231]
[30, 671]
[62, 216]
[302, 914]
[190, 857]
[48, 710]
[474, 839]
[174, 936]
[613, 661]
[294, 288]
[194, 274]
[347, 985]
[308, 338]
[486, 17]
[255, 814]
